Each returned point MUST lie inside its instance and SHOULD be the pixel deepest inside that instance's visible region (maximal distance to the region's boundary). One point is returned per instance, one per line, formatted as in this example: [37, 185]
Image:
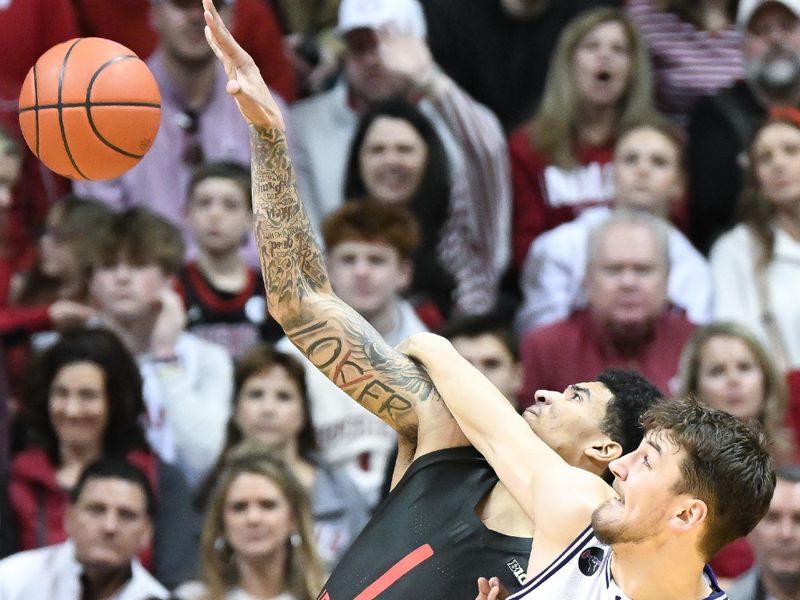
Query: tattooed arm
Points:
[330, 333]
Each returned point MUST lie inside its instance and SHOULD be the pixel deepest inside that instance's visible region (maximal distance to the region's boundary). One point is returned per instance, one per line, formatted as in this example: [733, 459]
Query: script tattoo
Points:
[291, 260]
[357, 359]
[339, 341]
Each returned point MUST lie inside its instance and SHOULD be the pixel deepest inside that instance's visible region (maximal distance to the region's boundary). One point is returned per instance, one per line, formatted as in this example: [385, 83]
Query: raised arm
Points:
[558, 497]
[333, 336]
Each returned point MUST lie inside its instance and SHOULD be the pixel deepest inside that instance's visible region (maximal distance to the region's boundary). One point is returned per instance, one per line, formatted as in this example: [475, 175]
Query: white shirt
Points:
[583, 572]
[188, 402]
[53, 573]
[194, 590]
[736, 295]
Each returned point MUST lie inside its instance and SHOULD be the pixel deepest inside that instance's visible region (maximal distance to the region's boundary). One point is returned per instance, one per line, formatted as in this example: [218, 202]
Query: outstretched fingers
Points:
[221, 40]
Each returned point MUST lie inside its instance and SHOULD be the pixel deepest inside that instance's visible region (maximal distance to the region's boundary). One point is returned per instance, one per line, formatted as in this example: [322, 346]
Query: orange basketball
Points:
[89, 108]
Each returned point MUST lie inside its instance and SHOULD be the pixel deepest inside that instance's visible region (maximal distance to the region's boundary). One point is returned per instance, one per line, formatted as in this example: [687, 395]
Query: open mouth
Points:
[603, 76]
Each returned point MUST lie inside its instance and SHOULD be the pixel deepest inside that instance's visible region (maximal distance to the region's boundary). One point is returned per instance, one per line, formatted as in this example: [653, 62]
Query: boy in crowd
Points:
[369, 248]
[187, 380]
[223, 295]
[490, 346]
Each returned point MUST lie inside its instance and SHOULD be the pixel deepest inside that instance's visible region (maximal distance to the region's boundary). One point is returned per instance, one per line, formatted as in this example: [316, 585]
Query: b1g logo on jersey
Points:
[590, 560]
[517, 570]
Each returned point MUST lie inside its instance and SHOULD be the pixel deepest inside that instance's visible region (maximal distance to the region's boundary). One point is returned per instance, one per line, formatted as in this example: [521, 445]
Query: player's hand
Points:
[245, 83]
[67, 313]
[423, 346]
[490, 589]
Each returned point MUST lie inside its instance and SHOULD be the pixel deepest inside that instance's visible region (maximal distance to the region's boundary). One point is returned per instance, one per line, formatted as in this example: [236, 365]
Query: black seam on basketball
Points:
[61, 114]
[89, 105]
[36, 106]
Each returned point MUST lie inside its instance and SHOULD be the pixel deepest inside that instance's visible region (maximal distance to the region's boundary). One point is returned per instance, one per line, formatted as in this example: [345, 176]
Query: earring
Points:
[220, 544]
[295, 539]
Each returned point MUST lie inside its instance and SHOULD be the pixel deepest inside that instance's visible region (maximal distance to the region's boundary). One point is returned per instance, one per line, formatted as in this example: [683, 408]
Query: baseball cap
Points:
[372, 14]
[747, 8]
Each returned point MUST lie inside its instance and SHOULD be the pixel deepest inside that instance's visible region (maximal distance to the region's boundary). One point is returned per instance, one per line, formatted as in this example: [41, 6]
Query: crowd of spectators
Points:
[613, 183]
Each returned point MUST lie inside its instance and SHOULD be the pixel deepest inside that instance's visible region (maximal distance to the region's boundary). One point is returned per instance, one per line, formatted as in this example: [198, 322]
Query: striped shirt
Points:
[583, 572]
[687, 62]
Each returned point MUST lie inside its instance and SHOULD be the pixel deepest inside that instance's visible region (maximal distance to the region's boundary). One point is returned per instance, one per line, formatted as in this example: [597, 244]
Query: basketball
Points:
[89, 109]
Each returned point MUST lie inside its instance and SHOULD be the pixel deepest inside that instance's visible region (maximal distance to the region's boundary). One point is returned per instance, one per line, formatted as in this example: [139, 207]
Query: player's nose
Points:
[546, 396]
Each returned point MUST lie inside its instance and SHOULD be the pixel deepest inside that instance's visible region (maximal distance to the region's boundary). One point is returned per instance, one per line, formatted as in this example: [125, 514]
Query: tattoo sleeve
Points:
[334, 337]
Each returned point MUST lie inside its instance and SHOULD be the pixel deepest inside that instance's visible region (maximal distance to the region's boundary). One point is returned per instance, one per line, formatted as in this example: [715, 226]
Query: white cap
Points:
[407, 15]
[747, 8]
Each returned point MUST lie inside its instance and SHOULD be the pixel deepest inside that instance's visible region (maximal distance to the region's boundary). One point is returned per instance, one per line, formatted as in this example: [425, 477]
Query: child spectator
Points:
[369, 246]
[223, 295]
[187, 380]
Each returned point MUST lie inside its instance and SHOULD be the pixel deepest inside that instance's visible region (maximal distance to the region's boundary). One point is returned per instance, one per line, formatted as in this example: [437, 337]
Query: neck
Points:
[522, 10]
[196, 82]
[639, 570]
[70, 288]
[263, 577]
[714, 15]
[788, 219]
[103, 584]
[385, 319]
[781, 588]
[629, 339]
[226, 270]
[596, 124]
[136, 333]
[74, 459]
[298, 465]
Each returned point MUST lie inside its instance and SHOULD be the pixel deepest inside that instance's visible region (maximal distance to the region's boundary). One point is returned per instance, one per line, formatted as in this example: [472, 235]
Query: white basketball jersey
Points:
[583, 572]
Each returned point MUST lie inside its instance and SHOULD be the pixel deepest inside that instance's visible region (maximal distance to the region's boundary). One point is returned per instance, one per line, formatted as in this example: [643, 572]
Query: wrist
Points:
[431, 81]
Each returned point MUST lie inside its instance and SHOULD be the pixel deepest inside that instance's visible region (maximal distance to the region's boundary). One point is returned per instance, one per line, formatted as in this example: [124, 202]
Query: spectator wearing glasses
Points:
[198, 121]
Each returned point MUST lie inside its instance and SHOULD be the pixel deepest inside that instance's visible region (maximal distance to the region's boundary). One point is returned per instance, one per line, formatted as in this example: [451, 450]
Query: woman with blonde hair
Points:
[271, 407]
[725, 366]
[756, 265]
[598, 81]
[257, 541]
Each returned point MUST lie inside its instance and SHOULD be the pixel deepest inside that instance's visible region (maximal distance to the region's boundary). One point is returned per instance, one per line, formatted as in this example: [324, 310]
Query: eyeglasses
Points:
[185, 4]
[189, 122]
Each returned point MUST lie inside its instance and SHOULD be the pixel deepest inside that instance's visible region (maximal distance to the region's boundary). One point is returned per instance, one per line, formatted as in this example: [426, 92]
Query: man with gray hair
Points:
[628, 321]
[776, 543]
[721, 126]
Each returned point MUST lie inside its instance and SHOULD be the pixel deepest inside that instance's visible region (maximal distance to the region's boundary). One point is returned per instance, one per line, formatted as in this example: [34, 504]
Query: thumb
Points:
[233, 87]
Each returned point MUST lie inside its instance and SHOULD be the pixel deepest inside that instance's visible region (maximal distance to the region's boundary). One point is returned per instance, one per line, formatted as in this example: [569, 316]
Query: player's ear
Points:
[689, 514]
[603, 451]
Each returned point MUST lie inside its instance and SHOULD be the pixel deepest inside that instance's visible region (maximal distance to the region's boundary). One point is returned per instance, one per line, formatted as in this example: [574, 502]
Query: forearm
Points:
[291, 260]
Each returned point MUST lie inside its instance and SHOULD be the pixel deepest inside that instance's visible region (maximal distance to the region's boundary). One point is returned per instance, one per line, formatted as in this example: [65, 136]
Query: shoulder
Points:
[306, 111]
[143, 584]
[191, 590]
[193, 346]
[31, 465]
[17, 566]
[734, 240]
